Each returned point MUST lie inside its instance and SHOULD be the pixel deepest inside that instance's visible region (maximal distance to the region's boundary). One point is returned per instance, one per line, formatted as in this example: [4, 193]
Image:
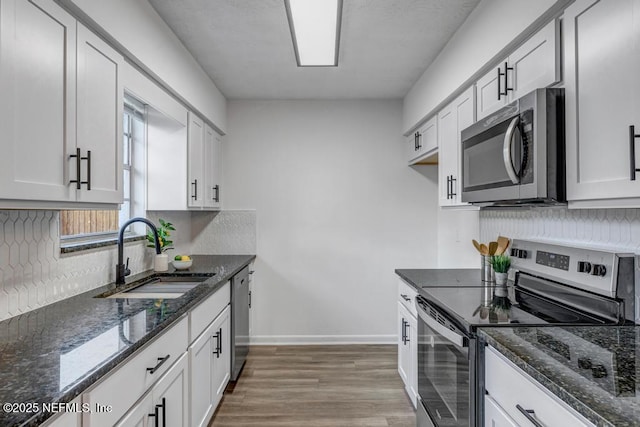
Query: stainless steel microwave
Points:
[517, 154]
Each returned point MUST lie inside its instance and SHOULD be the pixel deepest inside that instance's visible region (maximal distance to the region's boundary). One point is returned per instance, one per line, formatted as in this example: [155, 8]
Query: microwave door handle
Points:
[506, 150]
[450, 335]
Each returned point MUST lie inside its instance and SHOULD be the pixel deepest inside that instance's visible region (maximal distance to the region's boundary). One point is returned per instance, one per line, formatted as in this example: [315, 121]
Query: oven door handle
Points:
[442, 330]
[506, 150]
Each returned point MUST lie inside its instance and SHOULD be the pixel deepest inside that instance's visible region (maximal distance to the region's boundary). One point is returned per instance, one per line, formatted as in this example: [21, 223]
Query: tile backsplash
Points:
[33, 273]
[230, 232]
[617, 229]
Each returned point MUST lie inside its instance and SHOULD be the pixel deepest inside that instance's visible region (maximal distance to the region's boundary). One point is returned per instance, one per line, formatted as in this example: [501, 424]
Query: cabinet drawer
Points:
[203, 314]
[503, 378]
[132, 379]
[407, 296]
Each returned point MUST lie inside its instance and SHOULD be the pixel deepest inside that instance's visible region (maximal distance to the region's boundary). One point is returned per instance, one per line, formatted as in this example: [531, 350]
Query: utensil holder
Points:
[486, 269]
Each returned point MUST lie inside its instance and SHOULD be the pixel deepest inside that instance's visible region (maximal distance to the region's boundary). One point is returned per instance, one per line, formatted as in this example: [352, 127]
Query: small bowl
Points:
[182, 265]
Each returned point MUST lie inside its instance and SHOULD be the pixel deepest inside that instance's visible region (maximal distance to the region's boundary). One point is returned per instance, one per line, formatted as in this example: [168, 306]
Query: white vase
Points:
[161, 262]
[501, 278]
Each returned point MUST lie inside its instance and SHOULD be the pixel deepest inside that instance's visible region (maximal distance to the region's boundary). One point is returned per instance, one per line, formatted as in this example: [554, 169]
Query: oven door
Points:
[443, 370]
[495, 159]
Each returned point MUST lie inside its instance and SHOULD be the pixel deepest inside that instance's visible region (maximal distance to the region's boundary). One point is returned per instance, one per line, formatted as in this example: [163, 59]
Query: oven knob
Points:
[514, 252]
[584, 363]
[599, 371]
[599, 270]
[584, 267]
[522, 253]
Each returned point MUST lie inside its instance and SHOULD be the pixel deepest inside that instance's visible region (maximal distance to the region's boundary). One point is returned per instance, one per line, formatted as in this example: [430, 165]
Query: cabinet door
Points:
[536, 63]
[221, 361]
[495, 416]
[201, 385]
[487, 89]
[171, 395]
[601, 97]
[140, 415]
[195, 147]
[37, 105]
[100, 111]
[404, 348]
[428, 137]
[451, 121]
[212, 164]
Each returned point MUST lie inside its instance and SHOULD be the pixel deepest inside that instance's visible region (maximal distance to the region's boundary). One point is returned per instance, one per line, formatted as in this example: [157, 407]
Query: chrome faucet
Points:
[122, 270]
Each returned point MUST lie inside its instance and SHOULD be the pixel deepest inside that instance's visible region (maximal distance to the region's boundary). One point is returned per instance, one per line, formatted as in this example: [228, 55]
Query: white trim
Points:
[322, 339]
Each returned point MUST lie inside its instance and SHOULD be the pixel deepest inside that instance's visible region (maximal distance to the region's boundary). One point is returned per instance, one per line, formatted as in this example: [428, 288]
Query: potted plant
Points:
[501, 264]
[163, 236]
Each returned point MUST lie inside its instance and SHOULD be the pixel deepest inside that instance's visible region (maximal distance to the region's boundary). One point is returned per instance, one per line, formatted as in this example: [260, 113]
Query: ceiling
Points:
[246, 48]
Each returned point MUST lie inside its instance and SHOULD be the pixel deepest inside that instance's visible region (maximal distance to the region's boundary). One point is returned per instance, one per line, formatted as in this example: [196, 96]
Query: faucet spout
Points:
[122, 270]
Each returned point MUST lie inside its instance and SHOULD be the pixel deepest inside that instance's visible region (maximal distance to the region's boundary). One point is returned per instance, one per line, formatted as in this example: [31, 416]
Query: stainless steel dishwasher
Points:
[239, 321]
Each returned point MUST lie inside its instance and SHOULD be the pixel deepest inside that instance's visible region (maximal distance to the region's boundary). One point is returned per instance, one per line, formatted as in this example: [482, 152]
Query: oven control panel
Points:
[594, 270]
[552, 260]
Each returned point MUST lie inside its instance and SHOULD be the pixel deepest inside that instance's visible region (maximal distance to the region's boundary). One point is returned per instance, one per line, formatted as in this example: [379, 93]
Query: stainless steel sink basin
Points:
[161, 287]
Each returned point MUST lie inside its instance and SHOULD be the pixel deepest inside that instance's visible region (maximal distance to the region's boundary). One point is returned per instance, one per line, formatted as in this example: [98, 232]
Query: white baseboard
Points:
[322, 339]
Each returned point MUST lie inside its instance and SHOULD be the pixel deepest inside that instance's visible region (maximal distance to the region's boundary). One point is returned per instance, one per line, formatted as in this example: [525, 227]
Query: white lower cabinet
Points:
[210, 361]
[166, 404]
[532, 403]
[408, 351]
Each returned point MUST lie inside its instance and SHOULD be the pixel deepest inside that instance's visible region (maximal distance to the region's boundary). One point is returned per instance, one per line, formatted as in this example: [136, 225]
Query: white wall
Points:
[337, 211]
[136, 26]
[489, 29]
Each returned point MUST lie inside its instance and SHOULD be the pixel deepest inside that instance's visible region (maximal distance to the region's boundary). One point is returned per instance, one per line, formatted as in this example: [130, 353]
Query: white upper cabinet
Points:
[99, 112]
[602, 90]
[452, 119]
[195, 145]
[535, 64]
[204, 150]
[44, 120]
[422, 145]
[38, 87]
[212, 167]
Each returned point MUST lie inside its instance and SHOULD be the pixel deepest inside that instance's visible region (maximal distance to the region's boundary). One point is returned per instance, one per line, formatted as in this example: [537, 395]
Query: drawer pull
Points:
[405, 297]
[530, 414]
[161, 361]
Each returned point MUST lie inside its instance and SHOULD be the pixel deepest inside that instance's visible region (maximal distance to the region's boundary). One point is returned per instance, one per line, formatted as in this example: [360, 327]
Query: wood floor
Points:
[329, 385]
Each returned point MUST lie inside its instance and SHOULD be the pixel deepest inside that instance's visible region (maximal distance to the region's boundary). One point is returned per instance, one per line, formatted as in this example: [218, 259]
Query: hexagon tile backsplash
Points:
[617, 229]
[34, 274]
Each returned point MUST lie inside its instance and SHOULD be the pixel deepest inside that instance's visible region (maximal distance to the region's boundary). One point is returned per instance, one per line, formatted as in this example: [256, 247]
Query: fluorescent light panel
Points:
[315, 29]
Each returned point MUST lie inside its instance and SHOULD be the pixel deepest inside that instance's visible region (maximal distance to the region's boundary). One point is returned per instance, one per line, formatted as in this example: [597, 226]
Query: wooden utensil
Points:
[503, 244]
[484, 250]
[476, 245]
[493, 246]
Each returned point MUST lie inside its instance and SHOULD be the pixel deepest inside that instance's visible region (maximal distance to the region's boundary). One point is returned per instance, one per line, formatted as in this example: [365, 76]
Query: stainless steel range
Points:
[554, 286]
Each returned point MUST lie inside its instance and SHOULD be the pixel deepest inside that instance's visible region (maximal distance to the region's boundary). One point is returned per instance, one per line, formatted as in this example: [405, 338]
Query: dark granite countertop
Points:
[431, 278]
[56, 352]
[611, 397]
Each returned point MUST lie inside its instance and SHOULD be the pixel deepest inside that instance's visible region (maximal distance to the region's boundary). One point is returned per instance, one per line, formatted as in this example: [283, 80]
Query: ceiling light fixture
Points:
[315, 30]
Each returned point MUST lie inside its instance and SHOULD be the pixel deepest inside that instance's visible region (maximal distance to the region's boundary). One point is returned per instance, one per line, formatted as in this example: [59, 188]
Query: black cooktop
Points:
[471, 307]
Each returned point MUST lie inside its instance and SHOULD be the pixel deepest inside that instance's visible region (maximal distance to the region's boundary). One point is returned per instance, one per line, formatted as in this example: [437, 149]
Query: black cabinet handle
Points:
[406, 334]
[249, 299]
[161, 361]
[419, 140]
[448, 187]
[453, 193]
[194, 184]
[529, 414]
[415, 141]
[162, 405]
[77, 180]
[88, 181]
[632, 151]
[155, 415]
[216, 188]
[218, 350]
[403, 335]
[499, 90]
[405, 297]
[506, 78]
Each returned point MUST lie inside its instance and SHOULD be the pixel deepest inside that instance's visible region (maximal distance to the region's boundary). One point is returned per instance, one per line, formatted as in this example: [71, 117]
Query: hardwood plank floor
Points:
[318, 385]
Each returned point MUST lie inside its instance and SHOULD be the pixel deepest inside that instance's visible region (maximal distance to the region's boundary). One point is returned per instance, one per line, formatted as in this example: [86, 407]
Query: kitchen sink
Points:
[161, 287]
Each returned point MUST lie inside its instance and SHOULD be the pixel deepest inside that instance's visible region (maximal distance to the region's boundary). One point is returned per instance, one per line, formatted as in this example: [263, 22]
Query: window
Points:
[83, 226]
